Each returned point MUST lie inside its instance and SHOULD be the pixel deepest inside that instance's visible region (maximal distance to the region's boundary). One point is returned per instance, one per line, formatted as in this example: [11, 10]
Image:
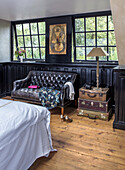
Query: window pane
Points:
[102, 23]
[28, 53]
[80, 53]
[103, 58]
[112, 38]
[43, 53]
[26, 29]
[20, 41]
[112, 53]
[27, 41]
[19, 29]
[35, 41]
[80, 39]
[42, 40]
[90, 24]
[88, 49]
[34, 28]
[36, 54]
[28, 37]
[79, 24]
[110, 21]
[42, 28]
[101, 38]
[90, 39]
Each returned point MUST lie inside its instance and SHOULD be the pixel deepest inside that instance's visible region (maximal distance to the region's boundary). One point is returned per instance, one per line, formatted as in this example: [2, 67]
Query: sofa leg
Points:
[76, 103]
[62, 111]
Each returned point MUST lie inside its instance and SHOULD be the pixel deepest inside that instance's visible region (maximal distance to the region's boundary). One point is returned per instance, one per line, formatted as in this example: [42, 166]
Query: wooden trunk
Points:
[100, 106]
[95, 115]
[99, 95]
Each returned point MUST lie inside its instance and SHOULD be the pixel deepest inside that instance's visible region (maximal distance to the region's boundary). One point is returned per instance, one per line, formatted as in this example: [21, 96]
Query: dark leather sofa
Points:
[43, 79]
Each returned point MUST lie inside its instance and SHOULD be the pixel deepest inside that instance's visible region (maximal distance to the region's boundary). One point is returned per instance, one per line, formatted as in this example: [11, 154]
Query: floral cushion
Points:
[49, 97]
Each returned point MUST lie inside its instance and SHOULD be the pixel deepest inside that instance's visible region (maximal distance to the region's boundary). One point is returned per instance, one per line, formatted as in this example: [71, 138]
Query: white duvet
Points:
[23, 125]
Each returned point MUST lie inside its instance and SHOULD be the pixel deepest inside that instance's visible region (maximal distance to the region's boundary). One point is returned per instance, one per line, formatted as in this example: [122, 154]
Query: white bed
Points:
[24, 134]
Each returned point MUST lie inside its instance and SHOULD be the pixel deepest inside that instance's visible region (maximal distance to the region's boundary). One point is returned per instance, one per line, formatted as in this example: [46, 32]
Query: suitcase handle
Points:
[92, 96]
[91, 117]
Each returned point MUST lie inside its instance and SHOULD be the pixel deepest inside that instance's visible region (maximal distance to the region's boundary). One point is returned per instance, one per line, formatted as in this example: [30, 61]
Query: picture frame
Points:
[58, 39]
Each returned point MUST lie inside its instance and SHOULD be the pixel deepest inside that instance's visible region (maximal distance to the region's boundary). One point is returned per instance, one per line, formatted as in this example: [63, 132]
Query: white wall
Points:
[91, 6]
[5, 40]
[29, 9]
[118, 13]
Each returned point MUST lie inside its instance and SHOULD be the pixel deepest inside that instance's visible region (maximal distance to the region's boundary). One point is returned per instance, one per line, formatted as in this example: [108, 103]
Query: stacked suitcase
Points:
[94, 103]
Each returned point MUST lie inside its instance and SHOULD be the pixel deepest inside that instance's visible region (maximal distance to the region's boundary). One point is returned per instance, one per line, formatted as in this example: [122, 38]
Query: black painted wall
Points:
[59, 58]
[119, 87]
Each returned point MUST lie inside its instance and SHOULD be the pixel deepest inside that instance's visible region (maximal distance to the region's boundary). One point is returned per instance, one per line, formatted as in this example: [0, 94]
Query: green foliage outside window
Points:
[90, 24]
[93, 32]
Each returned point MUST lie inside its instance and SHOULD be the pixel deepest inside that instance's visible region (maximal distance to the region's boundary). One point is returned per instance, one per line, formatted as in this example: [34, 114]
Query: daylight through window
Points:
[92, 32]
[31, 37]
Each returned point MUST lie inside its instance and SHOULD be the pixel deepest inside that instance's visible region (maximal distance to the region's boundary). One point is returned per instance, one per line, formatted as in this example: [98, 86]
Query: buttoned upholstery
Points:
[50, 79]
[56, 80]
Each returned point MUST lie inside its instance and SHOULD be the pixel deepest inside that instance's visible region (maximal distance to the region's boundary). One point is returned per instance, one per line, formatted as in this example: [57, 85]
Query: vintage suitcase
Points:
[95, 115]
[101, 106]
[100, 95]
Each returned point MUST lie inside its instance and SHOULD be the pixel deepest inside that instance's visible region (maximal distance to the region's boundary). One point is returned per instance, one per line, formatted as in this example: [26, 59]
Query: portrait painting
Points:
[58, 39]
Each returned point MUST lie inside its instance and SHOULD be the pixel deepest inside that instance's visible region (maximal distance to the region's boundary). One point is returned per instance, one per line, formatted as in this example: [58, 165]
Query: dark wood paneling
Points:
[119, 90]
[86, 73]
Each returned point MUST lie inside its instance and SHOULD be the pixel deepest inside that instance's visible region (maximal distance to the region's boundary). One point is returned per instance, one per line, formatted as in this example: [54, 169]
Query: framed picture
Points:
[58, 39]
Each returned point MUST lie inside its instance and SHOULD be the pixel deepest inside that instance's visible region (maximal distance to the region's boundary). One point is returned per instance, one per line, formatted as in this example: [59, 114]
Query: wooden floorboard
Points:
[83, 144]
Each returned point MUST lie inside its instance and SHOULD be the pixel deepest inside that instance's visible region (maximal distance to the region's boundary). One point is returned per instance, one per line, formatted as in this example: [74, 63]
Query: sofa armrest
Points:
[64, 94]
[22, 83]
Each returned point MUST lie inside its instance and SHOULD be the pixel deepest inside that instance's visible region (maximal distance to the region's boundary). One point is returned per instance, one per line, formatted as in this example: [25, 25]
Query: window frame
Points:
[73, 60]
[14, 35]
[95, 15]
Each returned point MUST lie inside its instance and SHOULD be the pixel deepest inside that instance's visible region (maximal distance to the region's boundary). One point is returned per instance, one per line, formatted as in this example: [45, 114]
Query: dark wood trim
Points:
[74, 40]
[119, 91]
[31, 39]
[11, 42]
[14, 26]
[91, 14]
[74, 64]
[119, 125]
[39, 40]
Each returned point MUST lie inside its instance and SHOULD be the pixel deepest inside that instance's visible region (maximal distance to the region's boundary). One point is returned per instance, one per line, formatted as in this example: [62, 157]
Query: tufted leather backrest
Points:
[50, 78]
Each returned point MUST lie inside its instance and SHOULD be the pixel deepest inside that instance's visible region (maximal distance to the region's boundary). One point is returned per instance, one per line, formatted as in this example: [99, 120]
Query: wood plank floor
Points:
[83, 144]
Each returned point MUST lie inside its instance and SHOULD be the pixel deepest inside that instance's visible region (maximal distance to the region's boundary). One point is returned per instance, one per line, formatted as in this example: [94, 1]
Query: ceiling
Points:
[13, 10]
